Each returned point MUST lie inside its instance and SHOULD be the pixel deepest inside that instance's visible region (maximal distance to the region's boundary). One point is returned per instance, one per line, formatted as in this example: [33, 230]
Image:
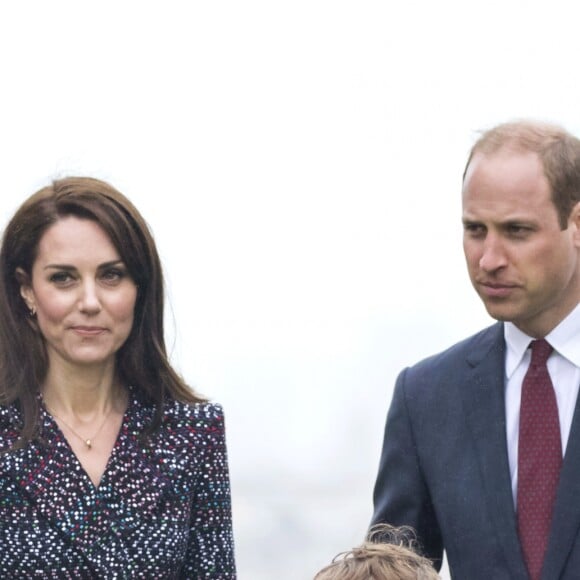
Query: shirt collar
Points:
[565, 340]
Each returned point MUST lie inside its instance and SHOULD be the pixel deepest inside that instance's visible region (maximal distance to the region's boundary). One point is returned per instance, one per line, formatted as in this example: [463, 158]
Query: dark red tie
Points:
[539, 458]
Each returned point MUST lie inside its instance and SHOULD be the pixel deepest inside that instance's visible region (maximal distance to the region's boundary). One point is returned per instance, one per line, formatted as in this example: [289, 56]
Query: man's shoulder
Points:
[473, 348]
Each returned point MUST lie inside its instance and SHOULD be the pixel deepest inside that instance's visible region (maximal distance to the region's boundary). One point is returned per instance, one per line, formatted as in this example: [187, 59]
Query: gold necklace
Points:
[88, 442]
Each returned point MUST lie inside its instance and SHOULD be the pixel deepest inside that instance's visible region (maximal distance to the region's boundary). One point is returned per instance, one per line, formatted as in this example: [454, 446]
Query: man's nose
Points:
[493, 255]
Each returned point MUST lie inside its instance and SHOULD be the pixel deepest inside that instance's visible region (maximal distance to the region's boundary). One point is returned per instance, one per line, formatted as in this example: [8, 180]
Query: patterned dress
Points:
[161, 510]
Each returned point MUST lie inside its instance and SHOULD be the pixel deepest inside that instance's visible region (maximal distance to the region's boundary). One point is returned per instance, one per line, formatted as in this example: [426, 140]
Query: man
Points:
[482, 444]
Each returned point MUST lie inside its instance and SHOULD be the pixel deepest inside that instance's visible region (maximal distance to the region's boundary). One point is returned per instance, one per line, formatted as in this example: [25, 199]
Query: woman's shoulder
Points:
[203, 412]
[10, 419]
[198, 424]
[180, 419]
[175, 408]
[7, 413]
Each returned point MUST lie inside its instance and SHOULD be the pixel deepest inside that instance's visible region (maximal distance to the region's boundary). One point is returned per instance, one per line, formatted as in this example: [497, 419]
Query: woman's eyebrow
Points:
[68, 267]
[59, 267]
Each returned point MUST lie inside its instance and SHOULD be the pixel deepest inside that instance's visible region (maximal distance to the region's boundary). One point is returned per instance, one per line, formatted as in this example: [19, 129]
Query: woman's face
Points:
[82, 293]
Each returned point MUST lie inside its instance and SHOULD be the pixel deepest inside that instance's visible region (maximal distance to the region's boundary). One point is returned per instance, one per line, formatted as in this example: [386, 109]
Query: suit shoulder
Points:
[474, 347]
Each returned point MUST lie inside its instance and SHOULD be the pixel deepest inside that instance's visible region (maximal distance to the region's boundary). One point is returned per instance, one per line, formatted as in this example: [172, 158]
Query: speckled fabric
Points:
[162, 509]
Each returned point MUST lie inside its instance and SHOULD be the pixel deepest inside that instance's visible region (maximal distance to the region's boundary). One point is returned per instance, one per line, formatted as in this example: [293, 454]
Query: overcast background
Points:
[299, 163]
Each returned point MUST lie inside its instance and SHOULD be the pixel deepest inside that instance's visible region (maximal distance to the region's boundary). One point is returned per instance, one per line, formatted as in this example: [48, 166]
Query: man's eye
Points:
[518, 230]
[474, 229]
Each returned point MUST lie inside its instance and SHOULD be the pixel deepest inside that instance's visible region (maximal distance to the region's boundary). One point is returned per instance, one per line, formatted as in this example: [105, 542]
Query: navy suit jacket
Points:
[444, 467]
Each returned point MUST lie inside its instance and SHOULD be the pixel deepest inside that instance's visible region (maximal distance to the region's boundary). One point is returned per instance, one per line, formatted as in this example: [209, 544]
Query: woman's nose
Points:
[89, 301]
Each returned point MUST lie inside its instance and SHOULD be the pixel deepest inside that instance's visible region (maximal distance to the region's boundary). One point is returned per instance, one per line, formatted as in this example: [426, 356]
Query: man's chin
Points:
[501, 314]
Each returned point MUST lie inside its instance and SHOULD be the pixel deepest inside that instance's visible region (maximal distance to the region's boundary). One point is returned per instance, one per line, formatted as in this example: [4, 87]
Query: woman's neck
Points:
[81, 392]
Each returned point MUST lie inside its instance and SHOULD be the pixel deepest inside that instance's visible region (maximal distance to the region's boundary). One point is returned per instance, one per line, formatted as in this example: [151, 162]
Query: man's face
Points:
[523, 266]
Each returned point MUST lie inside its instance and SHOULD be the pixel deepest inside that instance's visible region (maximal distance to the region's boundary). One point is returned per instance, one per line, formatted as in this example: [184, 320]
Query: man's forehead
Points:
[504, 154]
[506, 168]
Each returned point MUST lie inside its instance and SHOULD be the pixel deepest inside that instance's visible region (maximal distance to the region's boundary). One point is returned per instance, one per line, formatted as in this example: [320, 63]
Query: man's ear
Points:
[574, 221]
[26, 289]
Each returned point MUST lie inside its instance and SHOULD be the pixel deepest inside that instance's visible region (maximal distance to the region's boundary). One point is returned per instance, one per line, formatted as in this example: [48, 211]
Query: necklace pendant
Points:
[89, 443]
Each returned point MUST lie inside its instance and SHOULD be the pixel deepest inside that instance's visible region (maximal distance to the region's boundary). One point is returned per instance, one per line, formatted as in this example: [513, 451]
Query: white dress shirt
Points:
[564, 369]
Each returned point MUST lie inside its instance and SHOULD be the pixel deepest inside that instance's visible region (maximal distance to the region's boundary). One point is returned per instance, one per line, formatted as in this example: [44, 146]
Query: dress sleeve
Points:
[210, 551]
[401, 495]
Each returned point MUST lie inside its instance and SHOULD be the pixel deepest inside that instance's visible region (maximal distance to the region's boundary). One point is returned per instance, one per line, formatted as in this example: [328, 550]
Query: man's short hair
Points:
[388, 554]
[558, 150]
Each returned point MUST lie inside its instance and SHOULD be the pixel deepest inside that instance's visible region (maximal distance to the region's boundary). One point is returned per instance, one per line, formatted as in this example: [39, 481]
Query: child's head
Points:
[387, 554]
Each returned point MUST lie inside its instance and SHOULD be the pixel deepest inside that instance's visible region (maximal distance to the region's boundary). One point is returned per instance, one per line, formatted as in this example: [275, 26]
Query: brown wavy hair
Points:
[142, 360]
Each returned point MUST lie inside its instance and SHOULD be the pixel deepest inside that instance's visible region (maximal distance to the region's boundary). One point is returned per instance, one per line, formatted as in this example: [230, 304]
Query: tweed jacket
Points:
[161, 510]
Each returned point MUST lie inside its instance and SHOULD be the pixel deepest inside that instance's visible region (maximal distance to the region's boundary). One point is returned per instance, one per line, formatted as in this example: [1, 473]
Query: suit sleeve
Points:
[401, 495]
[210, 552]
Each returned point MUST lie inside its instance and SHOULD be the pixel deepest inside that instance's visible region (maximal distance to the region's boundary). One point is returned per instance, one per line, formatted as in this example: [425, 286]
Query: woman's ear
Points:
[26, 290]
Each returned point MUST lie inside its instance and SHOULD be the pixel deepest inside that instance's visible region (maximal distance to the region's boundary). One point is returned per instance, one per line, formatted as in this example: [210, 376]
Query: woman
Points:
[110, 466]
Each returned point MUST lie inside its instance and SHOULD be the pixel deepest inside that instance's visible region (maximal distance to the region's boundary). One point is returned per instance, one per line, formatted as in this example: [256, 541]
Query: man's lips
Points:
[495, 289]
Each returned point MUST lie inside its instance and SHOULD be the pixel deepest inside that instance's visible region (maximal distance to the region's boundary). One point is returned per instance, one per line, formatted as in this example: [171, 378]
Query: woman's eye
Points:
[113, 275]
[61, 278]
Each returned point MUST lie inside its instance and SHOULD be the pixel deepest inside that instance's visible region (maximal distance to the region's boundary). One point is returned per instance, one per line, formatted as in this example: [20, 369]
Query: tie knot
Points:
[541, 350]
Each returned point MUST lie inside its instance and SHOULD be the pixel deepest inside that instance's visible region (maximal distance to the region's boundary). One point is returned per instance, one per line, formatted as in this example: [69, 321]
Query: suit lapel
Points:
[483, 400]
[566, 518]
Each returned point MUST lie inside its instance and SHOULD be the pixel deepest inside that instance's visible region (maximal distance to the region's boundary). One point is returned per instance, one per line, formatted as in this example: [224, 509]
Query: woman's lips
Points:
[89, 330]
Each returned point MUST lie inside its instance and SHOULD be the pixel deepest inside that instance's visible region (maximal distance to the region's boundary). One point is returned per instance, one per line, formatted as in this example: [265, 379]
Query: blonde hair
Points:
[388, 553]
